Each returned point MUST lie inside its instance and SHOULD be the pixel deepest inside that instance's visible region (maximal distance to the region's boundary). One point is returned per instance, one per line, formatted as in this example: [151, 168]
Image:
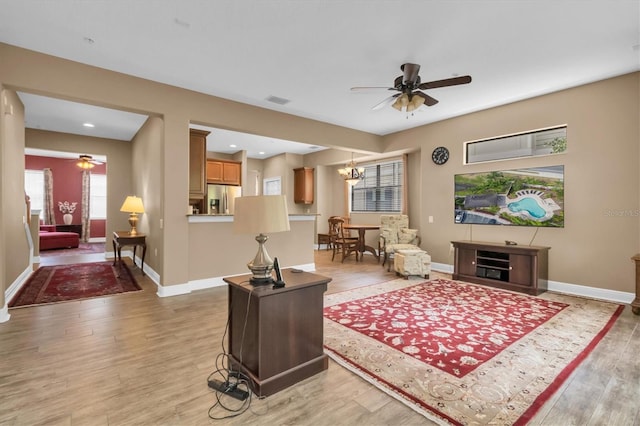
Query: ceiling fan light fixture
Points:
[85, 165]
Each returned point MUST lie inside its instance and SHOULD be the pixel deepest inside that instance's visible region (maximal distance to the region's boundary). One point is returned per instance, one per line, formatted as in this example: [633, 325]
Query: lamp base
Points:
[257, 281]
[133, 222]
[262, 265]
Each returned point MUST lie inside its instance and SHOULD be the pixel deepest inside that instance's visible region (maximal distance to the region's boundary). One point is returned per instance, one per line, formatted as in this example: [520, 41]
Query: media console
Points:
[510, 267]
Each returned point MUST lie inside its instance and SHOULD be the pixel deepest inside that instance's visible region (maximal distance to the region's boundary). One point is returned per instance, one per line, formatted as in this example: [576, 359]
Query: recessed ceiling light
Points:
[261, 153]
[277, 100]
[233, 145]
[181, 23]
[88, 125]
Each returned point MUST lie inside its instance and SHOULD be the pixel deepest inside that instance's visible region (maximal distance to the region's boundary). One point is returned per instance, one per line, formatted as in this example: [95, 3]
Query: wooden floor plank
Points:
[136, 358]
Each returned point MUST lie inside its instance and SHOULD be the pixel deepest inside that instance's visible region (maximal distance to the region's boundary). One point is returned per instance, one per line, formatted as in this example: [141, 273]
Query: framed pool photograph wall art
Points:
[522, 197]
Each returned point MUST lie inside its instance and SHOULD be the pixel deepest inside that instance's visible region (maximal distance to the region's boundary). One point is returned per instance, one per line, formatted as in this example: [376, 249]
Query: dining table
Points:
[362, 246]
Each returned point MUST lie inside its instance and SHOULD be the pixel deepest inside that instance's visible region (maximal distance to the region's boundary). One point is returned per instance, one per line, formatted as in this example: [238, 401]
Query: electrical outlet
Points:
[161, 223]
[155, 251]
[430, 219]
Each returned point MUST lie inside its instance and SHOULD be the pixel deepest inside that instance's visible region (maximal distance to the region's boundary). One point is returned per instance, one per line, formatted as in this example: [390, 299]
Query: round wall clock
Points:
[440, 155]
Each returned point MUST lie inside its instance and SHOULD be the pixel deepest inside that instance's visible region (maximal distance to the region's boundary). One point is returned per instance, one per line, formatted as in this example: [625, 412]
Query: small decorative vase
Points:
[67, 218]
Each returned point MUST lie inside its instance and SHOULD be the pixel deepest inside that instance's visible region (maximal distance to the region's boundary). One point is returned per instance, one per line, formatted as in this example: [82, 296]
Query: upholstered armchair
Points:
[395, 235]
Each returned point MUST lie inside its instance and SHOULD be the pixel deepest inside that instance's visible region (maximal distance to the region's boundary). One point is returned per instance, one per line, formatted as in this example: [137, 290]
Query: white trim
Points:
[591, 292]
[220, 218]
[17, 284]
[4, 313]
[186, 288]
[567, 288]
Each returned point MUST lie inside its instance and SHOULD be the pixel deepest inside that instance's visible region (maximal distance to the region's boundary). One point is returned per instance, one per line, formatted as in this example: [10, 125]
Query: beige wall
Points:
[14, 250]
[601, 176]
[50, 76]
[601, 164]
[216, 251]
[146, 155]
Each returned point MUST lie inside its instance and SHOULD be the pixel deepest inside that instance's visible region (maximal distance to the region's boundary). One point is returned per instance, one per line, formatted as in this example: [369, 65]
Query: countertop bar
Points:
[220, 218]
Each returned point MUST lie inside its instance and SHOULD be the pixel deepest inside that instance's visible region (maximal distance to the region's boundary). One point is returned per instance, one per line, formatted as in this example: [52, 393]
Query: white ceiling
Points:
[312, 52]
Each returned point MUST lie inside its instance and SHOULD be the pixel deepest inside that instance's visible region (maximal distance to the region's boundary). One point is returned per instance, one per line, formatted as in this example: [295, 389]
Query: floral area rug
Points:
[461, 353]
[83, 248]
[51, 284]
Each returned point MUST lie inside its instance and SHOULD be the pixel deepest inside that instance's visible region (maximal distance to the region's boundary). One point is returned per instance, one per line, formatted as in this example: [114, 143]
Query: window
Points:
[380, 190]
[529, 144]
[272, 186]
[34, 187]
[98, 197]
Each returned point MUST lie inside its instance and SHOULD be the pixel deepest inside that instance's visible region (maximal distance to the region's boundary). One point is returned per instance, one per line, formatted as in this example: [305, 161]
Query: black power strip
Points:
[227, 388]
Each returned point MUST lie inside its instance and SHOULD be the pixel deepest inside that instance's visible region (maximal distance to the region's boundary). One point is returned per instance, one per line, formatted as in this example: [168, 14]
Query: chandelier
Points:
[352, 174]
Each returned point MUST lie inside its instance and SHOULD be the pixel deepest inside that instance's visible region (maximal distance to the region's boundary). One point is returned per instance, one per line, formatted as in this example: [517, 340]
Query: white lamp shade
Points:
[132, 204]
[261, 214]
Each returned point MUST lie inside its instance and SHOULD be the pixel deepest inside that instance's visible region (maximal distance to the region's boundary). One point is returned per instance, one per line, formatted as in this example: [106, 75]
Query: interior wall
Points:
[602, 227]
[50, 76]
[15, 251]
[146, 151]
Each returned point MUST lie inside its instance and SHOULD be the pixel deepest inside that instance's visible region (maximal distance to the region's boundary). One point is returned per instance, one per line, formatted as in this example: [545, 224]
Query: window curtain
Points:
[405, 184]
[48, 214]
[86, 197]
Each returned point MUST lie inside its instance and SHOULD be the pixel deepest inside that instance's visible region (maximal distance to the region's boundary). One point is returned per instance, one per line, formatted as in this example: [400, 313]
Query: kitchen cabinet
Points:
[303, 185]
[197, 159]
[223, 172]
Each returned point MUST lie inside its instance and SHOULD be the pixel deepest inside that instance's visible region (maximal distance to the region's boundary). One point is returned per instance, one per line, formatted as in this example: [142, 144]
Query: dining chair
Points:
[339, 241]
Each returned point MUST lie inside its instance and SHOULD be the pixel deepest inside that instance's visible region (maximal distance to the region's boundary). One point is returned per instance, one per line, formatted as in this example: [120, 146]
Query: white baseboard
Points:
[186, 288]
[567, 288]
[4, 312]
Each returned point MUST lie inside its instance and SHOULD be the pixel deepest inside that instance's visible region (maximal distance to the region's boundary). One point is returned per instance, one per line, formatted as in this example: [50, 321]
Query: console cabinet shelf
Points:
[510, 267]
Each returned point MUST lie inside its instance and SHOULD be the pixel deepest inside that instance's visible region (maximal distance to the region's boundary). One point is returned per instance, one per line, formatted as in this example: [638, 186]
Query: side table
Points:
[124, 238]
[279, 340]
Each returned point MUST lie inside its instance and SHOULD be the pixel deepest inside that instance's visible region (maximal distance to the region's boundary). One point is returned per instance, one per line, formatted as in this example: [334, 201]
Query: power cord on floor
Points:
[233, 384]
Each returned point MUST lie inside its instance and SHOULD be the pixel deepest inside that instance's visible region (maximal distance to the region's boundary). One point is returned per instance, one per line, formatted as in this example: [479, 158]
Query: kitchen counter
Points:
[217, 218]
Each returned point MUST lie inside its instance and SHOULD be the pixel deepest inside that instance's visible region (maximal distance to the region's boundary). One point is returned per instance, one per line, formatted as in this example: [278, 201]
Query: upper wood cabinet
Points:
[197, 159]
[303, 185]
[223, 172]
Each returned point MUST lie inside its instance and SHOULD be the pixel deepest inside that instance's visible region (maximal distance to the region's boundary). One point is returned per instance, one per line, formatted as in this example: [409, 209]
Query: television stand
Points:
[506, 266]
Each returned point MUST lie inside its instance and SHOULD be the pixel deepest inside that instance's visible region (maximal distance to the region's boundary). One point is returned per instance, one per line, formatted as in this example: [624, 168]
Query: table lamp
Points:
[261, 214]
[133, 206]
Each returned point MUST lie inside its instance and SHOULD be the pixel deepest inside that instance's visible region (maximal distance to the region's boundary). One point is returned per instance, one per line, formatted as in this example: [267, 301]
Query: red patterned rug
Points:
[460, 353]
[51, 284]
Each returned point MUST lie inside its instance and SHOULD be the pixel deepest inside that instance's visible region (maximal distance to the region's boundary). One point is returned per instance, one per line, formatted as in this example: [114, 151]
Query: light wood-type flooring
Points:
[136, 358]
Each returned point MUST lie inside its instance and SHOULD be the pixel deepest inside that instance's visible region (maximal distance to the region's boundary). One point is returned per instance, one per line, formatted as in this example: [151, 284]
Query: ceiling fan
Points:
[410, 96]
[86, 161]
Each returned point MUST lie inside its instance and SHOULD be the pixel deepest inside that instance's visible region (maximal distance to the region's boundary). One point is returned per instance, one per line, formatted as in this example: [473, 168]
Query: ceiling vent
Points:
[277, 100]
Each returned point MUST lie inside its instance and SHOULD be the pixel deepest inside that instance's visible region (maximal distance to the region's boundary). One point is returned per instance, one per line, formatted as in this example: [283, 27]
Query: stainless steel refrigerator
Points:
[221, 198]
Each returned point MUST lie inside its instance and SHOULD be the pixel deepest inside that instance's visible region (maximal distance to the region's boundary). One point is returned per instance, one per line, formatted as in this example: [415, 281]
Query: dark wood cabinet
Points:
[197, 161]
[303, 185]
[276, 334]
[224, 172]
[511, 267]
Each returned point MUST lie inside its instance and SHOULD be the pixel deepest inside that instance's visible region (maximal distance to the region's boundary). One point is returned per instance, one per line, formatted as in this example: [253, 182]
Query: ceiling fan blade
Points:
[385, 102]
[410, 72]
[359, 88]
[428, 100]
[446, 82]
